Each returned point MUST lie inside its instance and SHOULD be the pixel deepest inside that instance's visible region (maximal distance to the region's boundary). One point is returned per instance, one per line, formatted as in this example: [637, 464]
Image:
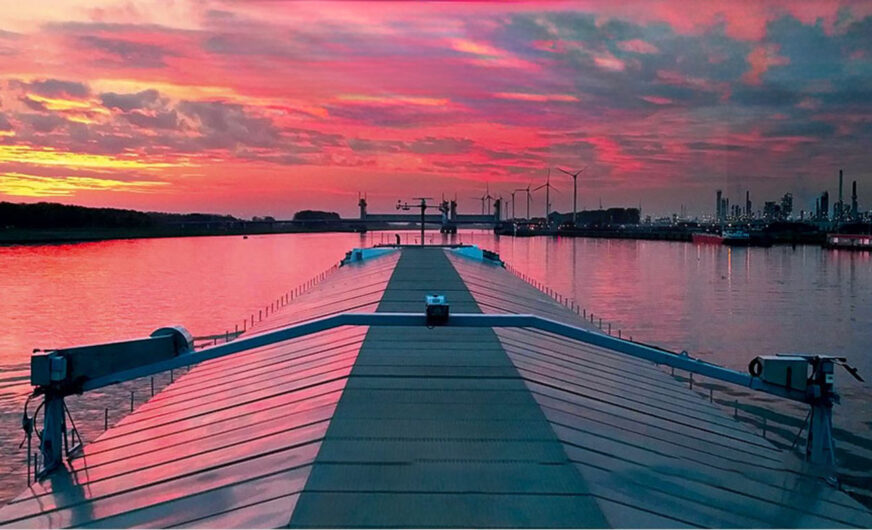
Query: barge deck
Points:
[430, 427]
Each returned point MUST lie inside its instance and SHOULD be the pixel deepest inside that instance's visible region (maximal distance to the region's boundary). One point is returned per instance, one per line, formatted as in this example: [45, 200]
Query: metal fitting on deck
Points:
[437, 309]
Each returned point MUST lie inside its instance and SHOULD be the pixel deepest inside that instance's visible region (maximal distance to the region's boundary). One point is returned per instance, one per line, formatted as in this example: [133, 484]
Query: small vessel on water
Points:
[738, 237]
[849, 241]
[733, 236]
[707, 238]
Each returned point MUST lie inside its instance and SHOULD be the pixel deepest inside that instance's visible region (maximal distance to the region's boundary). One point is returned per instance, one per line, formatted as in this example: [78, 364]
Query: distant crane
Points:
[574, 190]
[423, 205]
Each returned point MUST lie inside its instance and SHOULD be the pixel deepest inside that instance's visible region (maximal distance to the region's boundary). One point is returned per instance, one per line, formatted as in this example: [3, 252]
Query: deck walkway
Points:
[430, 427]
[436, 428]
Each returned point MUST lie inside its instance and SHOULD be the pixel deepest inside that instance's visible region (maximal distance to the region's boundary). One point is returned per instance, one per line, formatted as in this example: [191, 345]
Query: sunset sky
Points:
[268, 107]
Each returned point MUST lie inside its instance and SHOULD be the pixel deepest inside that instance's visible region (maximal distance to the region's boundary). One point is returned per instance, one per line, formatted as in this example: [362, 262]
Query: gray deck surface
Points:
[439, 427]
[436, 428]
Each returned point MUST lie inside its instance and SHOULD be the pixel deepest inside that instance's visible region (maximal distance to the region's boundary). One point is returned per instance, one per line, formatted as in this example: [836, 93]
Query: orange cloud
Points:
[23, 185]
[47, 156]
[541, 98]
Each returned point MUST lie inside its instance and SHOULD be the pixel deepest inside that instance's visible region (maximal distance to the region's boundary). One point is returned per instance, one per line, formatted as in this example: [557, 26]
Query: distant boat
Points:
[736, 237]
[705, 238]
[729, 236]
[849, 241]
[244, 237]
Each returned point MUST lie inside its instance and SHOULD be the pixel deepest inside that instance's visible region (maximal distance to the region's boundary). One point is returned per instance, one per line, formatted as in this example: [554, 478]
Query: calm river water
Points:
[724, 305]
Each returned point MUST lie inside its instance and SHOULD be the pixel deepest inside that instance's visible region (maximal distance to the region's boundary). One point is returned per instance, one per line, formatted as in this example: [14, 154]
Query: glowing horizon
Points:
[265, 108]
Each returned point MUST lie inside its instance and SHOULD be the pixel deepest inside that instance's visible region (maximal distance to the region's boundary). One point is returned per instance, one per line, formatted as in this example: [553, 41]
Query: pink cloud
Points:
[657, 100]
[609, 62]
[638, 46]
[762, 58]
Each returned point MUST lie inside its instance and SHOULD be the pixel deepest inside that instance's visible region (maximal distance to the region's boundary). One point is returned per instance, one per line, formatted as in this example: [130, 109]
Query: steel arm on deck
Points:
[180, 356]
[468, 320]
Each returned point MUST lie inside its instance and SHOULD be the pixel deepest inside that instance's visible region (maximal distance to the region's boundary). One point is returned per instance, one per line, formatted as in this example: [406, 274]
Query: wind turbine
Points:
[548, 188]
[482, 199]
[486, 197]
[527, 191]
[574, 190]
[514, 212]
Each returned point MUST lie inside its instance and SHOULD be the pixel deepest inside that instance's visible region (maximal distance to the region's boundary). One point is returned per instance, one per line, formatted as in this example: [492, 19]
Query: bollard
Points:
[711, 395]
[601, 323]
[673, 371]
[591, 318]
[764, 426]
[259, 315]
[619, 334]
[106, 419]
[131, 401]
[736, 409]
[610, 328]
[152, 386]
[584, 314]
[236, 329]
[252, 319]
[691, 380]
[172, 376]
[226, 336]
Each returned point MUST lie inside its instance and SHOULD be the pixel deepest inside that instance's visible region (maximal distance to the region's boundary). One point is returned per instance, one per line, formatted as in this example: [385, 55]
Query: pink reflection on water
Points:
[57, 295]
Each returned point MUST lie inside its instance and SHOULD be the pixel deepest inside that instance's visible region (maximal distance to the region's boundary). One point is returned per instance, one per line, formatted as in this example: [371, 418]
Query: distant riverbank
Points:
[18, 236]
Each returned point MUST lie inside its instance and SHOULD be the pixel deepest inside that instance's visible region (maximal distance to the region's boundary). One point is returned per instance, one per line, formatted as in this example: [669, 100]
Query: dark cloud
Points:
[399, 116]
[814, 129]
[127, 102]
[428, 145]
[364, 145]
[130, 54]
[765, 95]
[53, 88]
[812, 54]
[441, 146]
[313, 137]
[225, 125]
[42, 123]
[33, 104]
[709, 146]
[156, 120]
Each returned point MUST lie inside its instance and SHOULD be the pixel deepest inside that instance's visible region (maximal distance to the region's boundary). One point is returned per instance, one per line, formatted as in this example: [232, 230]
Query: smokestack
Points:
[718, 206]
[854, 199]
[840, 187]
